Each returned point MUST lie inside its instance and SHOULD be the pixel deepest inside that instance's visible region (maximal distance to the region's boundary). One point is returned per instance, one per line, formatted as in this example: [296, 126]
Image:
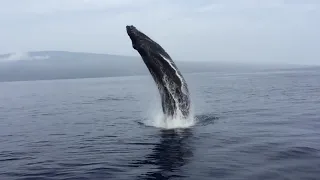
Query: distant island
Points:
[45, 65]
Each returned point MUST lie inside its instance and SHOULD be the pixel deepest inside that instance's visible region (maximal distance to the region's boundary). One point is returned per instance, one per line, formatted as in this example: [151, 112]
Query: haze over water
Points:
[262, 125]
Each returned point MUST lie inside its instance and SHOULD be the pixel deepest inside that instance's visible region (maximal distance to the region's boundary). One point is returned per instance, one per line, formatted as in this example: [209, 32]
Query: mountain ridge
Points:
[46, 65]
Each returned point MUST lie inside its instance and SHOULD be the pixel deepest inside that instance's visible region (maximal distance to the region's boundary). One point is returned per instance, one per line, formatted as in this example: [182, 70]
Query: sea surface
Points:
[261, 125]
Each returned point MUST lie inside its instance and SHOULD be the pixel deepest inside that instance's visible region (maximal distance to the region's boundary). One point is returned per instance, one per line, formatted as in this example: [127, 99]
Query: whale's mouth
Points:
[132, 33]
[130, 28]
[138, 38]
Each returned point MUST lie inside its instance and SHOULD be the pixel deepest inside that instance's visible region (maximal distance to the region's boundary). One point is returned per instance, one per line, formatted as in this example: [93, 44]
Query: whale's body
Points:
[172, 86]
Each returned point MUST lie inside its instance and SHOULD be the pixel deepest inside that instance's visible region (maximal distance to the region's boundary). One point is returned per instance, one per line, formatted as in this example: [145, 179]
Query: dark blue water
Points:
[249, 126]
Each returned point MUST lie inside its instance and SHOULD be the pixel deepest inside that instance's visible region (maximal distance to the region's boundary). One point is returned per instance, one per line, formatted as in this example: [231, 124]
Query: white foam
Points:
[160, 121]
[156, 118]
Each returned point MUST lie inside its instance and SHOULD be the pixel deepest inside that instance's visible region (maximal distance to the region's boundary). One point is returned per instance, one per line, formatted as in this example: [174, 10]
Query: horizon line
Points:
[132, 56]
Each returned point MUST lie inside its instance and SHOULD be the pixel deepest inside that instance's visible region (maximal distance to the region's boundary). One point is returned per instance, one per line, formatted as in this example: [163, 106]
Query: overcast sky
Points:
[212, 30]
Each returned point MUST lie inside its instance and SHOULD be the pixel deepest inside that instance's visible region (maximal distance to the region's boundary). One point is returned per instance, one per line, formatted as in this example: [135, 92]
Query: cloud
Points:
[211, 30]
[18, 56]
[56, 6]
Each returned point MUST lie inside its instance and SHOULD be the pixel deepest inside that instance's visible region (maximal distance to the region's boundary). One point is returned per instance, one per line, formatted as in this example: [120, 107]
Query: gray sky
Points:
[206, 30]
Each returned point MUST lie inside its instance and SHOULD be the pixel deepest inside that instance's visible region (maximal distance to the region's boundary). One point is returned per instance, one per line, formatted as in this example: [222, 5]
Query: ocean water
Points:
[262, 125]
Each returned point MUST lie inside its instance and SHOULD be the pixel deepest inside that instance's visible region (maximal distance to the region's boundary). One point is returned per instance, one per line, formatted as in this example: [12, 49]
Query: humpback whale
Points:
[172, 86]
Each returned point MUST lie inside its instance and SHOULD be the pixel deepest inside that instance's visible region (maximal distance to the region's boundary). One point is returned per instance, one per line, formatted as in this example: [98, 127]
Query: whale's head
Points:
[149, 50]
[155, 57]
[139, 40]
[136, 36]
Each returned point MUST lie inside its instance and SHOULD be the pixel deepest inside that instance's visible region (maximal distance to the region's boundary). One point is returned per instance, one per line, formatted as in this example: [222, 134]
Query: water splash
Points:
[156, 118]
[159, 120]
